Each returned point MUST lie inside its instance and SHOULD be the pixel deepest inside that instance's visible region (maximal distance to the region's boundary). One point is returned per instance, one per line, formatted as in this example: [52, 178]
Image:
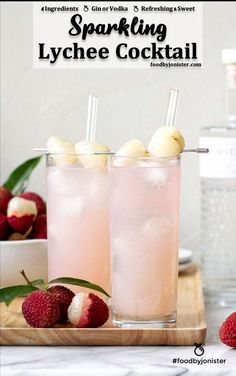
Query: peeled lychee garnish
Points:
[5, 196]
[87, 311]
[21, 214]
[64, 297]
[227, 331]
[4, 227]
[41, 310]
[40, 203]
[40, 227]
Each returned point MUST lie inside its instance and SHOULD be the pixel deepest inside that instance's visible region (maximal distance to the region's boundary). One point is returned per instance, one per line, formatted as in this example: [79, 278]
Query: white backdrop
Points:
[132, 103]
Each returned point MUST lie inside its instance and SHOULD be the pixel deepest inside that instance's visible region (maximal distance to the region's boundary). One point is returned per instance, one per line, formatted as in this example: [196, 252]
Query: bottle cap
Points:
[229, 56]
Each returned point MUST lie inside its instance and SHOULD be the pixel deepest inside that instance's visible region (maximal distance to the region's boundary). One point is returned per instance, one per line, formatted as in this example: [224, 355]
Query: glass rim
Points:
[149, 158]
[114, 156]
[80, 155]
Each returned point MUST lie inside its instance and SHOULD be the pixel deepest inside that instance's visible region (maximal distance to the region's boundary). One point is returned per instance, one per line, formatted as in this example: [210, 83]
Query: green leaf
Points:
[79, 282]
[37, 282]
[18, 180]
[8, 294]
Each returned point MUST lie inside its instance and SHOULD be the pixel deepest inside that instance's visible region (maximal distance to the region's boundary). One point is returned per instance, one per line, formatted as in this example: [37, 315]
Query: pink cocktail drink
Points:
[144, 233]
[77, 212]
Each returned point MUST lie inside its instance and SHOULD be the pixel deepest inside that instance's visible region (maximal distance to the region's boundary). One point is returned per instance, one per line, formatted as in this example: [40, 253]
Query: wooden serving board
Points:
[190, 326]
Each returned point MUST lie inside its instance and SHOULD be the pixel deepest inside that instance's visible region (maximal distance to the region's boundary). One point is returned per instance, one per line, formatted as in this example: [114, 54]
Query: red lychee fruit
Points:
[40, 309]
[4, 227]
[40, 227]
[40, 203]
[227, 331]
[5, 196]
[16, 236]
[21, 214]
[87, 311]
[64, 297]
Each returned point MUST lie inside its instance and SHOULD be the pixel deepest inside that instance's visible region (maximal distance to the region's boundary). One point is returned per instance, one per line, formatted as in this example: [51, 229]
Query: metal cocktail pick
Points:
[196, 150]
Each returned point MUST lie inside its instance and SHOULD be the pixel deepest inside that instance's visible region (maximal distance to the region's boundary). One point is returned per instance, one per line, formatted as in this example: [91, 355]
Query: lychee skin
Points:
[4, 227]
[40, 203]
[88, 311]
[40, 227]
[21, 224]
[5, 196]
[64, 297]
[41, 310]
[98, 312]
[227, 331]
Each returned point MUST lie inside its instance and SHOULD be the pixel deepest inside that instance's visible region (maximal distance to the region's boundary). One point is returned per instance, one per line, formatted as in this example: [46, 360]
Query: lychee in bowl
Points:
[28, 255]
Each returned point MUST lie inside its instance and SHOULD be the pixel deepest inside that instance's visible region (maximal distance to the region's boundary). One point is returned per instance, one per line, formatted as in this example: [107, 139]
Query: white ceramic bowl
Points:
[30, 255]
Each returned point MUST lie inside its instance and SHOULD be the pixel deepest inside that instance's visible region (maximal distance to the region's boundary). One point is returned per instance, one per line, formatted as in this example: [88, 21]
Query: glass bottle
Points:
[218, 198]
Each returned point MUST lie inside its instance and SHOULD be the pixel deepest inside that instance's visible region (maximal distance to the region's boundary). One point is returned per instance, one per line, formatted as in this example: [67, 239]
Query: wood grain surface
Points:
[190, 326]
